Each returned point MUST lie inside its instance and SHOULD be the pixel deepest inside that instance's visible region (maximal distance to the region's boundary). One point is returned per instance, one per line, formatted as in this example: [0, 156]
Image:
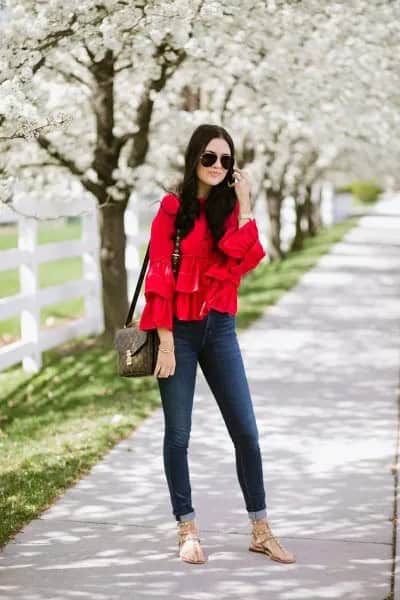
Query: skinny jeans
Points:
[212, 343]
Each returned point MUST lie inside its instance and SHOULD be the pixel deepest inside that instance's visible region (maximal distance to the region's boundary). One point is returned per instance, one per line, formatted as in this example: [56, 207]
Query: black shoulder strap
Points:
[142, 273]
[138, 286]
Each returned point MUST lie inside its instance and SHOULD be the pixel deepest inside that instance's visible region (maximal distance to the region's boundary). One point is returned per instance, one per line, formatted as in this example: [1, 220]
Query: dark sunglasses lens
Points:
[208, 159]
[226, 162]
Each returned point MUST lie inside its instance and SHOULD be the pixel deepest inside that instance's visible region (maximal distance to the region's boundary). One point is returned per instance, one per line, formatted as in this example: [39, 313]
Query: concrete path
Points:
[323, 368]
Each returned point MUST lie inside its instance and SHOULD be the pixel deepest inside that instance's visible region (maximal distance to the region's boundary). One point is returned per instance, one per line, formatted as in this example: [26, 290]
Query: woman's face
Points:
[209, 176]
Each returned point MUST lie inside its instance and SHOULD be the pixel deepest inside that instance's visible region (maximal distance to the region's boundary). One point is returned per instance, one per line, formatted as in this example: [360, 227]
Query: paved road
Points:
[323, 367]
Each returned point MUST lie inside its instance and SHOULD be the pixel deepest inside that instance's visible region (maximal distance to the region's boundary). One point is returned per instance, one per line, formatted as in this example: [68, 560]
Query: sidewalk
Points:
[323, 367]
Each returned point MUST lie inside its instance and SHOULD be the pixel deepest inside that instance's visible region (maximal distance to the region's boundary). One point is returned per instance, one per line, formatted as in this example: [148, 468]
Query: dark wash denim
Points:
[212, 342]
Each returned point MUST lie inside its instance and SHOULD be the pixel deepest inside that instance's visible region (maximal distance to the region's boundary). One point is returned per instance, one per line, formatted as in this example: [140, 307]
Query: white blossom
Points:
[312, 87]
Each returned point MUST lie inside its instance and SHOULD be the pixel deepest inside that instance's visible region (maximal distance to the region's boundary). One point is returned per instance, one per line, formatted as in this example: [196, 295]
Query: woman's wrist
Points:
[245, 209]
[245, 217]
[166, 346]
[245, 202]
[165, 336]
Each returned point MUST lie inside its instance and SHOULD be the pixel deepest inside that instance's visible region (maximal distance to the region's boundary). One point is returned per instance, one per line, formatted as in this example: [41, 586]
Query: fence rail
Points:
[31, 298]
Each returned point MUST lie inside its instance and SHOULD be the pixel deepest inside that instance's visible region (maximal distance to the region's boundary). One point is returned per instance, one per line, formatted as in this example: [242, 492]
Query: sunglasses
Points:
[208, 158]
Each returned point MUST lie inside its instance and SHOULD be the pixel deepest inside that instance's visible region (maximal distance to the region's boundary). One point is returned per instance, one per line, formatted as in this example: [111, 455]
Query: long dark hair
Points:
[221, 198]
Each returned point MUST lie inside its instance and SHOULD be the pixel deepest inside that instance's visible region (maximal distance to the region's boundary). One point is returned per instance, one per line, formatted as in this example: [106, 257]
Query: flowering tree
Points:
[104, 65]
[306, 91]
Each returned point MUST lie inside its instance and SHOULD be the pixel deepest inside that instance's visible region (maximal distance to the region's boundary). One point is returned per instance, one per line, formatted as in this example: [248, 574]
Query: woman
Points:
[194, 315]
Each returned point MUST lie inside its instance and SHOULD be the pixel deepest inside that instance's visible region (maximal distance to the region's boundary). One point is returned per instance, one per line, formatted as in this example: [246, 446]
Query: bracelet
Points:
[165, 350]
[247, 216]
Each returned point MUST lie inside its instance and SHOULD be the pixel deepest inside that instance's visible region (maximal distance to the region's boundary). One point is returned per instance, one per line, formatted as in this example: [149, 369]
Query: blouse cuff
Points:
[160, 279]
[157, 312]
[159, 285]
[236, 242]
[250, 260]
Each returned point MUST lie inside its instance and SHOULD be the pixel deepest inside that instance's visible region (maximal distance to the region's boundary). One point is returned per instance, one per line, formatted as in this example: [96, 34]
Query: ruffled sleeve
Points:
[241, 243]
[236, 240]
[159, 283]
[251, 259]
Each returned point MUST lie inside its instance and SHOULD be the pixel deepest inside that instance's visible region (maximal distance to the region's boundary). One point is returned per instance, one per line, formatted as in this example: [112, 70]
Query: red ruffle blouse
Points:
[206, 278]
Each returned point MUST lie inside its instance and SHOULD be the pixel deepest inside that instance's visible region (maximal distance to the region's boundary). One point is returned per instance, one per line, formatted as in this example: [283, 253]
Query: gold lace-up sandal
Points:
[190, 549]
[262, 540]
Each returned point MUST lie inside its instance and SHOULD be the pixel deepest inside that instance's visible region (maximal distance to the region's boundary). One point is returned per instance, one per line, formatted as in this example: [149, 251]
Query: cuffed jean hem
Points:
[258, 514]
[188, 517]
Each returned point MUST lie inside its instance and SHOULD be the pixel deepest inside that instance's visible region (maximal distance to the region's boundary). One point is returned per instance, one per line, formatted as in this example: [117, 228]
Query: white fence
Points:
[28, 302]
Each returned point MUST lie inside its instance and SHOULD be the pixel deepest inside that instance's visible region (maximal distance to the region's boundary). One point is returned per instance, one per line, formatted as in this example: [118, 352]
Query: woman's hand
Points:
[165, 365]
[242, 188]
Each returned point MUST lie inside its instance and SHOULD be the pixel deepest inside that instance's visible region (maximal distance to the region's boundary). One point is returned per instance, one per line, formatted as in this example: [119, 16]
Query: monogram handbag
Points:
[137, 350]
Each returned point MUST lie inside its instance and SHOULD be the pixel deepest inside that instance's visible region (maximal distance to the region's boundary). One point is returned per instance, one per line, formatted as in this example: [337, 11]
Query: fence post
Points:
[92, 271]
[29, 284]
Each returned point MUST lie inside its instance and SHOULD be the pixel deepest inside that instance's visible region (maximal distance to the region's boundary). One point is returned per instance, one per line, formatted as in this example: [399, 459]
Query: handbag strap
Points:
[175, 258]
[138, 286]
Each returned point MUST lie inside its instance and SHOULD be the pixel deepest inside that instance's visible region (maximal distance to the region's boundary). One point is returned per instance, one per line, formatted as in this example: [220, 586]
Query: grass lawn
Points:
[55, 425]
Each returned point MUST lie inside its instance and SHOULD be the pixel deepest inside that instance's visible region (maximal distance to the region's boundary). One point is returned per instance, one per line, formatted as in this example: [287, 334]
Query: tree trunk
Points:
[111, 217]
[308, 209]
[274, 205]
[298, 240]
[113, 269]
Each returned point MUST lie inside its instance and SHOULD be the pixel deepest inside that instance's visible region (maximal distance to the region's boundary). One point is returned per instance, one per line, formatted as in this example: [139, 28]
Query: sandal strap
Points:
[263, 533]
[187, 531]
[265, 538]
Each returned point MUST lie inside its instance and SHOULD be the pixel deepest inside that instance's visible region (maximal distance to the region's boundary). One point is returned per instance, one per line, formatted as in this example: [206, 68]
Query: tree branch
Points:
[52, 151]
[69, 164]
[68, 76]
[38, 165]
[119, 69]
[120, 141]
[25, 132]
[49, 42]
